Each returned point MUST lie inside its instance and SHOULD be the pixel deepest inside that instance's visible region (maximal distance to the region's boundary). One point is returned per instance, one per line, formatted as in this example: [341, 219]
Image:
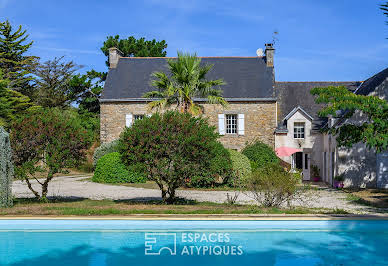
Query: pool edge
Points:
[206, 217]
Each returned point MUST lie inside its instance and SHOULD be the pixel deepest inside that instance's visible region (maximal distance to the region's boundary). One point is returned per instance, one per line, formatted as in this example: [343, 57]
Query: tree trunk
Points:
[50, 176]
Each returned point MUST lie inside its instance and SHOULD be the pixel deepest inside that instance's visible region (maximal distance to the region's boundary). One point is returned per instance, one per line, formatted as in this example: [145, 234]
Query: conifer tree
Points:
[12, 103]
[14, 63]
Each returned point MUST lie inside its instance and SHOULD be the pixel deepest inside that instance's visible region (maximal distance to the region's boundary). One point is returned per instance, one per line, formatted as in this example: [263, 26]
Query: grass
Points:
[86, 207]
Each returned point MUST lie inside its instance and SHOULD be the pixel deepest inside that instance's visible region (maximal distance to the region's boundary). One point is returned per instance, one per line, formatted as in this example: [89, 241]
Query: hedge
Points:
[260, 154]
[110, 169]
[240, 164]
[105, 148]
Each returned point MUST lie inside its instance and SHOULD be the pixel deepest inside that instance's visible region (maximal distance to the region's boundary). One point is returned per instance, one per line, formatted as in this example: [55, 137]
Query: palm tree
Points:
[186, 82]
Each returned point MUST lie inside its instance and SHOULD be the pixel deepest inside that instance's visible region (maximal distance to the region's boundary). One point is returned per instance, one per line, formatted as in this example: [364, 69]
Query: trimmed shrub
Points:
[110, 169]
[171, 146]
[219, 171]
[240, 164]
[260, 154]
[105, 148]
[6, 170]
[271, 185]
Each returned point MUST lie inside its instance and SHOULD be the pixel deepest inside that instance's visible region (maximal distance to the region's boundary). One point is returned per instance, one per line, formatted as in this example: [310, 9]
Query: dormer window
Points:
[299, 130]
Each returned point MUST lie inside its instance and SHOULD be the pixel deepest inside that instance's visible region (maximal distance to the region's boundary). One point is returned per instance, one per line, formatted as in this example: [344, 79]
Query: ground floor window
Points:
[231, 124]
[138, 117]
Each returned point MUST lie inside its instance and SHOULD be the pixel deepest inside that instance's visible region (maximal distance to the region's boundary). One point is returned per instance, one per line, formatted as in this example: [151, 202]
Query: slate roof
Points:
[370, 84]
[293, 94]
[245, 77]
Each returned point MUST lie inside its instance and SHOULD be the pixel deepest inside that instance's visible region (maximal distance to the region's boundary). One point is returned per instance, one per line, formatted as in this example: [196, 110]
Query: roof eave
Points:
[195, 99]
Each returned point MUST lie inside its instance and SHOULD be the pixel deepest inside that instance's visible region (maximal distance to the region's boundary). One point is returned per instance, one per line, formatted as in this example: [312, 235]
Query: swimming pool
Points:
[162, 242]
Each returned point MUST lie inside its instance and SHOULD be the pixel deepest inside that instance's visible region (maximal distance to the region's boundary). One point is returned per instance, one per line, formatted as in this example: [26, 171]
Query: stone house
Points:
[280, 114]
[249, 91]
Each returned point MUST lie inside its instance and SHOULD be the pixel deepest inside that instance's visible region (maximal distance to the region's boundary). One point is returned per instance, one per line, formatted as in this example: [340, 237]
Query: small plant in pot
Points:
[339, 181]
[315, 173]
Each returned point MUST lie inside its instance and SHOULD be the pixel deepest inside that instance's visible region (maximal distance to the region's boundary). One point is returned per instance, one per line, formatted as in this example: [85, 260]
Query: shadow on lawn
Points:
[157, 201]
[50, 200]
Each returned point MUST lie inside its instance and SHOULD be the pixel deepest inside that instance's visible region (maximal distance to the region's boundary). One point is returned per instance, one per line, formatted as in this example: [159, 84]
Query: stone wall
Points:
[260, 120]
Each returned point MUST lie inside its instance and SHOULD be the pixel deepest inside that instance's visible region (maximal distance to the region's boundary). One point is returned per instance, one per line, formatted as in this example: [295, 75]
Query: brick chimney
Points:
[269, 54]
[114, 56]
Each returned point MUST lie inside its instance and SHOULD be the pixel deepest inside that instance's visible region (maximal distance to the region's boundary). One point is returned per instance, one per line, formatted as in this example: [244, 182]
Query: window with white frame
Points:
[138, 117]
[299, 130]
[231, 124]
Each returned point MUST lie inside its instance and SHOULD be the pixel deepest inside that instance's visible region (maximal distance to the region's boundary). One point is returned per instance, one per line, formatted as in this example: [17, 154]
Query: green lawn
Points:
[86, 207]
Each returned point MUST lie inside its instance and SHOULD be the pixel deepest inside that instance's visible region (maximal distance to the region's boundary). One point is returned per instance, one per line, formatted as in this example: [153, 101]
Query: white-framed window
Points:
[299, 129]
[138, 117]
[231, 123]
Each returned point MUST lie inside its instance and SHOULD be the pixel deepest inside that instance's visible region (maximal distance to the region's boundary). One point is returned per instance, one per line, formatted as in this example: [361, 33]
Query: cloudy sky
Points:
[317, 40]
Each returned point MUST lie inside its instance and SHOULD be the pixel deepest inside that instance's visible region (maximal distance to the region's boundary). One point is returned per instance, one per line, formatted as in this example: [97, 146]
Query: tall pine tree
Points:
[14, 63]
[12, 103]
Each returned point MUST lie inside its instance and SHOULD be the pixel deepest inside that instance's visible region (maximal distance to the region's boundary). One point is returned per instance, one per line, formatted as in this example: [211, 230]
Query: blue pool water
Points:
[120, 242]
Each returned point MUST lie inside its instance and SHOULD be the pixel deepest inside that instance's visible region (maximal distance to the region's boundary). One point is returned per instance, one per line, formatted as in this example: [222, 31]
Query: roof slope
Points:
[293, 94]
[373, 82]
[245, 77]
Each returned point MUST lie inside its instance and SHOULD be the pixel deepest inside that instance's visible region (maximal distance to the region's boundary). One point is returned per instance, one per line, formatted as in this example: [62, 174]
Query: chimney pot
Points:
[269, 54]
[114, 56]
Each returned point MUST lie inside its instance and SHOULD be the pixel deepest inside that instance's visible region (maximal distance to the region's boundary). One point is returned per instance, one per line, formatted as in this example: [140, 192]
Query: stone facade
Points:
[259, 120]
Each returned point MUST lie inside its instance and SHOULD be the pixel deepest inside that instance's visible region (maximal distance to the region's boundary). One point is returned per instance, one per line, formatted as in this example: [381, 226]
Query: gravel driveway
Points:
[81, 187]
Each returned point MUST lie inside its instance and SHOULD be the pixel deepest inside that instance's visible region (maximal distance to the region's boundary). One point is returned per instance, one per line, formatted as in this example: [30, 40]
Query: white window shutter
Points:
[221, 124]
[240, 124]
[128, 120]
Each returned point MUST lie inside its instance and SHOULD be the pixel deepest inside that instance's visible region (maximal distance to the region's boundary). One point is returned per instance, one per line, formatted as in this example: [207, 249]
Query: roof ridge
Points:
[319, 81]
[150, 57]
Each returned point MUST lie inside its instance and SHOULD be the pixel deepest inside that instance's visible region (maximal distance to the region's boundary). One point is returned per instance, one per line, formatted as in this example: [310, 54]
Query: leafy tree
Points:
[132, 47]
[187, 81]
[219, 170]
[373, 130]
[48, 140]
[53, 82]
[86, 89]
[172, 147]
[16, 66]
[12, 103]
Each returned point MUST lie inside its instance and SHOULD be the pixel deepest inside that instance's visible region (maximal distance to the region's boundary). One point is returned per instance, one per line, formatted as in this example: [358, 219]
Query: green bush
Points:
[110, 169]
[271, 185]
[219, 171]
[240, 164]
[172, 146]
[105, 148]
[260, 154]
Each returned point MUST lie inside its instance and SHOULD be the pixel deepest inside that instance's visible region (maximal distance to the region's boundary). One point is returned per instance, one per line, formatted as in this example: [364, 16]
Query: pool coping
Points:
[199, 217]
